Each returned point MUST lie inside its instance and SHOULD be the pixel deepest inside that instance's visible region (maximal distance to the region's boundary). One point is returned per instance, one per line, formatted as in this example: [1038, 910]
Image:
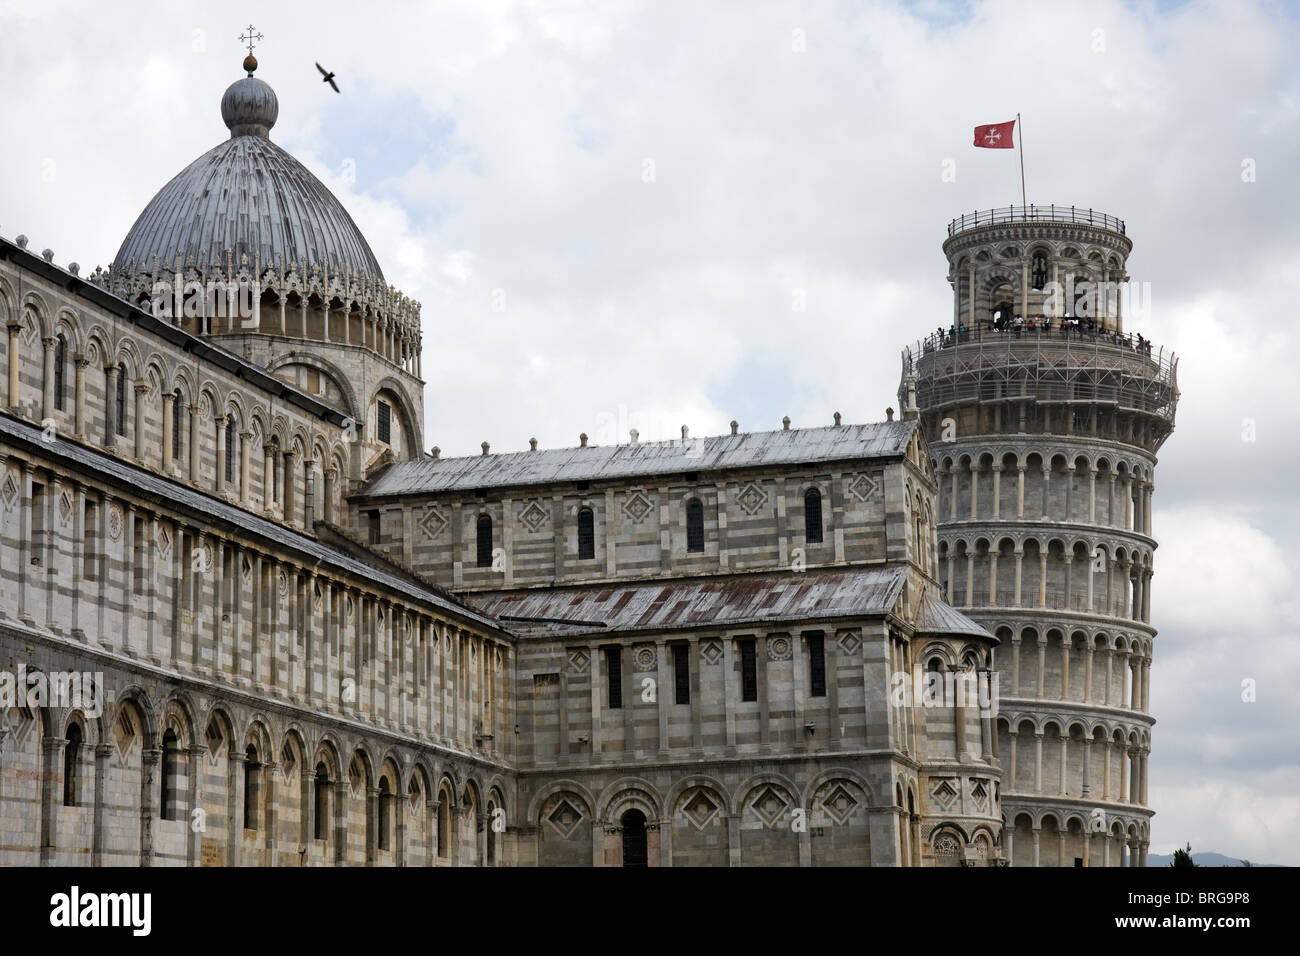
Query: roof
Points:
[250, 197]
[937, 617]
[174, 494]
[699, 602]
[645, 459]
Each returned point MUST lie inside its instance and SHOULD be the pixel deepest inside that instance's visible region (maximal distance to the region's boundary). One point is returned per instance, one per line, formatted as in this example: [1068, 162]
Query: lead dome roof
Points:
[247, 196]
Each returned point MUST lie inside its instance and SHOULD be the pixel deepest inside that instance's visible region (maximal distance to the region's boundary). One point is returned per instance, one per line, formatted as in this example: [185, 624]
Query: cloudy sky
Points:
[609, 211]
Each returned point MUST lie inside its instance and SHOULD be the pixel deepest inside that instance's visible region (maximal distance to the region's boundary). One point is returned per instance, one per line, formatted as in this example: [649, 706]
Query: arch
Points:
[628, 791]
[312, 360]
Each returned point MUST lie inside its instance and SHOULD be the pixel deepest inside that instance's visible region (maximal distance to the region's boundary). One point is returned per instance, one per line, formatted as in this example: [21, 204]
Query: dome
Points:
[249, 197]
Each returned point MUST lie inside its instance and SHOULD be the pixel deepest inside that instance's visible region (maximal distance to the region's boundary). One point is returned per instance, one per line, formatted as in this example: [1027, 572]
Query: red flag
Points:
[995, 135]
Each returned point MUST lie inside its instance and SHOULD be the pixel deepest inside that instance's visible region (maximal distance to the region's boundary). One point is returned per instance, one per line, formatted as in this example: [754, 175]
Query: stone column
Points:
[997, 489]
[1011, 770]
[970, 578]
[102, 753]
[110, 406]
[993, 578]
[141, 390]
[1087, 775]
[1065, 742]
[1042, 577]
[168, 430]
[48, 343]
[194, 444]
[14, 327]
[148, 767]
[1020, 557]
[974, 488]
[268, 476]
[222, 421]
[1047, 477]
[51, 774]
[1020, 492]
[1038, 763]
[79, 420]
[245, 470]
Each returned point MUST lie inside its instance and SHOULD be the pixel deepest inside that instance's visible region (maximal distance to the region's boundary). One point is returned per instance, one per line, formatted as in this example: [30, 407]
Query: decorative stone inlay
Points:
[980, 794]
[643, 658]
[636, 506]
[778, 649]
[282, 582]
[850, 642]
[864, 487]
[945, 794]
[433, 522]
[711, 652]
[840, 804]
[769, 806]
[565, 818]
[164, 542]
[578, 661]
[115, 522]
[10, 490]
[65, 508]
[533, 516]
[751, 498]
[700, 810]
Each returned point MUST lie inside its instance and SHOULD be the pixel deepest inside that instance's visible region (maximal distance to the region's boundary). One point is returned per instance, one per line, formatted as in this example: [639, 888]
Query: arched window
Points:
[252, 787]
[812, 516]
[385, 813]
[321, 827]
[485, 541]
[178, 420]
[275, 471]
[934, 682]
[60, 369]
[1038, 270]
[694, 525]
[72, 765]
[170, 773]
[586, 535]
[230, 449]
[444, 825]
[121, 400]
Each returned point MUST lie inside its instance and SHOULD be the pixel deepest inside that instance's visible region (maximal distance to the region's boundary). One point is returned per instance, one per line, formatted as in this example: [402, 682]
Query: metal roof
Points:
[645, 459]
[712, 602]
[251, 197]
[937, 617]
[214, 510]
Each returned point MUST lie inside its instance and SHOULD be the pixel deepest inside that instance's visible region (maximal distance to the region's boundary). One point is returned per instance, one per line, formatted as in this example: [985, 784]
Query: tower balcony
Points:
[1031, 213]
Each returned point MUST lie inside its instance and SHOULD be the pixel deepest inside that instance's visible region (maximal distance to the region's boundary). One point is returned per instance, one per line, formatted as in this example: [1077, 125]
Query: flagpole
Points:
[1021, 150]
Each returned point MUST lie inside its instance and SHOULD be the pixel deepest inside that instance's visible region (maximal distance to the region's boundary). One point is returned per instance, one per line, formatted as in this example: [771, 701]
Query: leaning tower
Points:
[1044, 416]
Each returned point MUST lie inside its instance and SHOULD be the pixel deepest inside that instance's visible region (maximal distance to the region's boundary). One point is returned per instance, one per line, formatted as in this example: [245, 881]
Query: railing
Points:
[1035, 337]
[1031, 213]
[1152, 385]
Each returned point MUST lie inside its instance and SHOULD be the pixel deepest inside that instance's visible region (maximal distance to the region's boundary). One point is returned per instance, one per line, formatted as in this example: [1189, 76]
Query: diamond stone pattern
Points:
[432, 522]
[864, 487]
[533, 517]
[751, 499]
[840, 803]
[565, 818]
[769, 806]
[637, 506]
[700, 810]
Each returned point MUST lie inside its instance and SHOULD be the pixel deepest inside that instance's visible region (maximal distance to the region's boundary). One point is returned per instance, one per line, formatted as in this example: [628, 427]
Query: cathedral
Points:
[246, 619]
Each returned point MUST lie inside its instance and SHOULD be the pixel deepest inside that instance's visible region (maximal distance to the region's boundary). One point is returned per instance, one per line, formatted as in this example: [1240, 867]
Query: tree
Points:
[1183, 858]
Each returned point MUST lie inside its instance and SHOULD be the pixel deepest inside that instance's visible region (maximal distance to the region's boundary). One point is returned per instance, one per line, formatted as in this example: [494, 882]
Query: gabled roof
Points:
[645, 459]
[734, 600]
[935, 616]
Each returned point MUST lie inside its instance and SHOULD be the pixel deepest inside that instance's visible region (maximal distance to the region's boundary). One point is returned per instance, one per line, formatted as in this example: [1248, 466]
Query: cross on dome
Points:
[250, 37]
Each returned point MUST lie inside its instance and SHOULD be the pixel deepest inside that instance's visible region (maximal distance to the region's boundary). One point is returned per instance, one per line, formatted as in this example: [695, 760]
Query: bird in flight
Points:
[329, 77]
